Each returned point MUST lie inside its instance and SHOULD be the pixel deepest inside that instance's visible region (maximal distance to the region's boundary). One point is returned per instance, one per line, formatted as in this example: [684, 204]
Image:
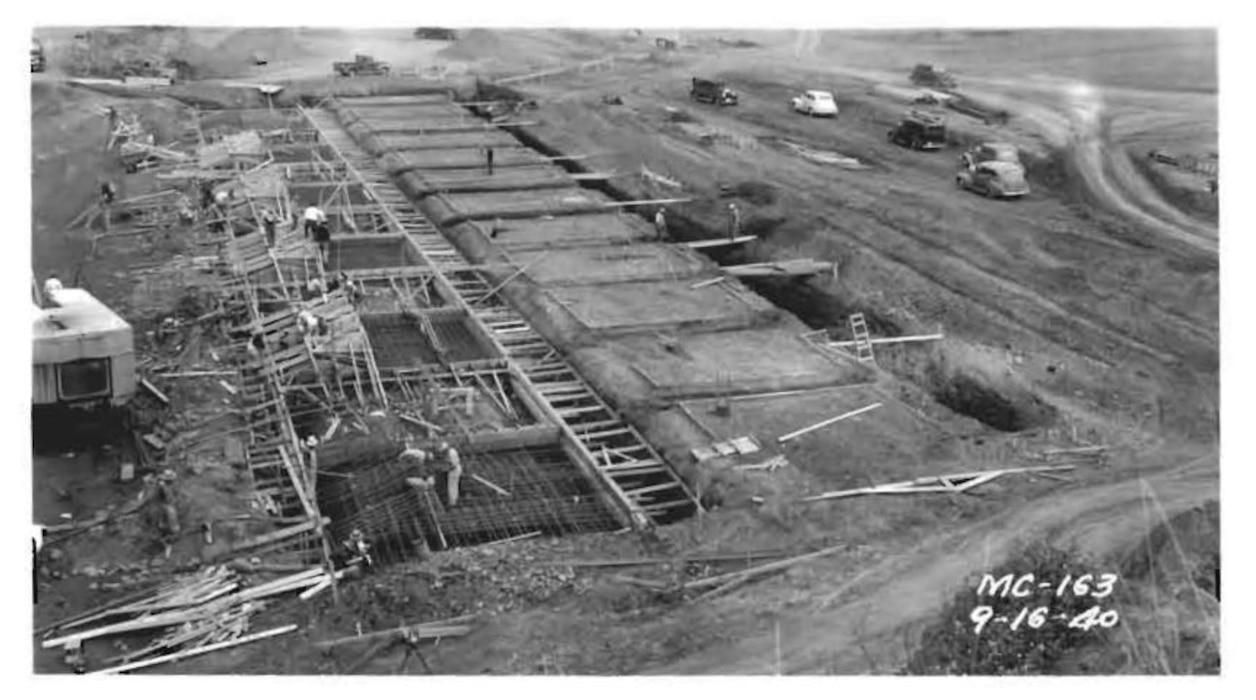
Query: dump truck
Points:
[83, 354]
[929, 75]
[362, 64]
[921, 130]
[38, 60]
[712, 91]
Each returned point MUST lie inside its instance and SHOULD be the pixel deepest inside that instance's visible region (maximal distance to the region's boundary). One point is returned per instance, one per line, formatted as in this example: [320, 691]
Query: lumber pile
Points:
[945, 483]
[196, 613]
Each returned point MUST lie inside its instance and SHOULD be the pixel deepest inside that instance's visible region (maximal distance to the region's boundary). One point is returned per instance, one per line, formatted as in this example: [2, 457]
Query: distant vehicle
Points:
[38, 60]
[665, 44]
[716, 93]
[988, 115]
[83, 353]
[995, 179]
[923, 131]
[435, 34]
[928, 75]
[259, 59]
[815, 103]
[362, 64]
[991, 151]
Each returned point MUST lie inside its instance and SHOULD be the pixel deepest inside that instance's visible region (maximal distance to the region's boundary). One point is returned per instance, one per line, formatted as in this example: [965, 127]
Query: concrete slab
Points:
[616, 263]
[635, 307]
[584, 229]
[728, 362]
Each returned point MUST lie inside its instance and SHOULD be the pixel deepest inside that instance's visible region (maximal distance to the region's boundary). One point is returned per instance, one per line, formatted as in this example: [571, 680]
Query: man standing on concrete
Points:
[660, 224]
[734, 221]
[488, 158]
[313, 217]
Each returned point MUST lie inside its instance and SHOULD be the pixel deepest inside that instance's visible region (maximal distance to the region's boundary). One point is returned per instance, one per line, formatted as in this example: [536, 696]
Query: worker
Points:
[322, 236]
[660, 224]
[221, 198]
[359, 548]
[307, 321]
[734, 221]
[187, 216]
[108, 192]
[497, 228]
[312, 218]
[269, 221]
[414, 458]
[488, 158]
[453, 475]
[314, 288]
[256, 346]
[207, 196]
[52, 284]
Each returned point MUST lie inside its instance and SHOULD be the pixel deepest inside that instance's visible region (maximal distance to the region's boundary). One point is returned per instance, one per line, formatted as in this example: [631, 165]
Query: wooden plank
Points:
[187, 653]
[803, 431]
[782, 564]
[154, 391]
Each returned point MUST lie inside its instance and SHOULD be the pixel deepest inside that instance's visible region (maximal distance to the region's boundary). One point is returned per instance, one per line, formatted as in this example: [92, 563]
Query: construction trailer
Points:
[83, 354]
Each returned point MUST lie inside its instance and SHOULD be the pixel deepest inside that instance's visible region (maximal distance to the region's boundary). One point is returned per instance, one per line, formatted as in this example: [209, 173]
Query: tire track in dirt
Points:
[903, 590]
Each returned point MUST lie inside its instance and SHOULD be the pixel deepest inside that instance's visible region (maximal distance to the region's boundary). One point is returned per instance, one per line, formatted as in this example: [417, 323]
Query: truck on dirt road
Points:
[362, 64]
[921, 130]
[712, 91]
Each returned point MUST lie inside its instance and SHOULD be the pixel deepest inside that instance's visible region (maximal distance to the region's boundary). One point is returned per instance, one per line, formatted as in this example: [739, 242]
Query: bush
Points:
[951, 645]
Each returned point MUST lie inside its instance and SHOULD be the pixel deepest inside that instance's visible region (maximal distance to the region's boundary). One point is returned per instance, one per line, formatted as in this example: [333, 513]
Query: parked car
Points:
[995, 178]
[815, 103]
[922, 131]
[716, 93]
[990, 151]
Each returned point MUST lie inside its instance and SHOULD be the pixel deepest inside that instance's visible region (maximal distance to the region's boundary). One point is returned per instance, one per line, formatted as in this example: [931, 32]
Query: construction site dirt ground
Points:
[1086, 313]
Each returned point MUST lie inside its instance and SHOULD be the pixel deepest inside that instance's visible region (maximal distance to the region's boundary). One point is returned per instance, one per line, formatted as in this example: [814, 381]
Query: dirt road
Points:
[863, 626]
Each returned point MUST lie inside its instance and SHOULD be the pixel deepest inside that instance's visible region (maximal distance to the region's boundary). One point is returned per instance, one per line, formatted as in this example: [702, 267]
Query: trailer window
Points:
[83, 379]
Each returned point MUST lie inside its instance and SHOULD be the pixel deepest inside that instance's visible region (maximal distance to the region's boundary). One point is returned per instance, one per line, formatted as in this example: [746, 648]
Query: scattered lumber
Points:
[717, 242]
[706, 283]
[765, 568]
[946, 483]
[154, 391]
[770, 465]
[824, 423]
[423, 630]
[277, 535]
[199, 650]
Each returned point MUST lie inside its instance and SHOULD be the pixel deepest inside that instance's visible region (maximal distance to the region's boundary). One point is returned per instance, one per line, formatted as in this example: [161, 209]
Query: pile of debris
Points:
[198, 613]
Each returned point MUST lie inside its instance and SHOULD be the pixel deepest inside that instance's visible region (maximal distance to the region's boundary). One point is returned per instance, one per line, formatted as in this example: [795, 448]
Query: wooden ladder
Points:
[863, 343]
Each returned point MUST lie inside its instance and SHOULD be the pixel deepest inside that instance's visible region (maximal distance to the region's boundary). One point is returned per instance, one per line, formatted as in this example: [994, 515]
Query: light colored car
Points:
[995, 178]
[815, 103]
[986, 152]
